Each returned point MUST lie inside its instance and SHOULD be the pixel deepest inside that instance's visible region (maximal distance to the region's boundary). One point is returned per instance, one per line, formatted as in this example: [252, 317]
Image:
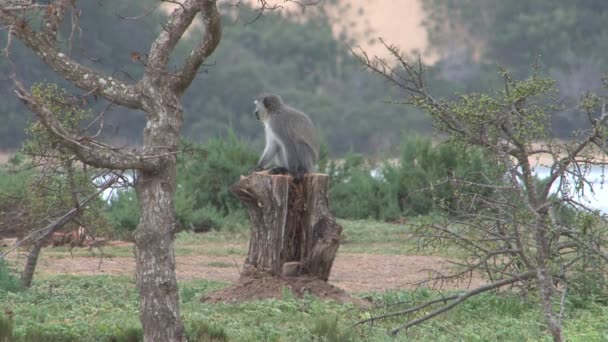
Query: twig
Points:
[463, 297]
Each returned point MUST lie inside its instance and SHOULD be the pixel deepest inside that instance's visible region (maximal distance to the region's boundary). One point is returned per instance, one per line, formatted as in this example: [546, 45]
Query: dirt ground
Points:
[354, 273]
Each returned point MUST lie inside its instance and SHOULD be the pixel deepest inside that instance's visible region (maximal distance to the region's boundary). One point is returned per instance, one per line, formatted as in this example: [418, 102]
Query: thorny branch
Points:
[87, 150]
[510, 230]
[61, 221]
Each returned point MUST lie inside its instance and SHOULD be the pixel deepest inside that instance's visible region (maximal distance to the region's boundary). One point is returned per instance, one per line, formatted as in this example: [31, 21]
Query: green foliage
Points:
[58, 182]
[567, 39]
[123, 213]
[356, 194]
[14, 215]
[6, 329]
[515, 33]
[104, 308]
[327, 329]
[425, 179]
[133, 334]
[205, 174]
[588, 282]
[430, 178]
[202, 199]
[13, 184]
[8, 280]
[301, 60]
[201, 331]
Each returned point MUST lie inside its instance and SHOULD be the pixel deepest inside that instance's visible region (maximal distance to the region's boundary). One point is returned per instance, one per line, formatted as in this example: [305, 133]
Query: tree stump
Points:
[292, 230]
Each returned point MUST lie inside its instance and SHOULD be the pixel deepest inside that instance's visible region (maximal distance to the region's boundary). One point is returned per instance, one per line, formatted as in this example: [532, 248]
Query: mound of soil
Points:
[254, 285]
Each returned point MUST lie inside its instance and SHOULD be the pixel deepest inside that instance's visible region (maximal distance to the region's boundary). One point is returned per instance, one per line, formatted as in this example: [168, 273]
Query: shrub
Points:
[202, 199]
[356, 194]
[123, 213]
[8, 281]
[205, 174]
[429, 178]
[422, 181]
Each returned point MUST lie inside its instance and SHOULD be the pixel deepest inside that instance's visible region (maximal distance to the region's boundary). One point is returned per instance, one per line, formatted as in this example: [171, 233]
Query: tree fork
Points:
[293, 232]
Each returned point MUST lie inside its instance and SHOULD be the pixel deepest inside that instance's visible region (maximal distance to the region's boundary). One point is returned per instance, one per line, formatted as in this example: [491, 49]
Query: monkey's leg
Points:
[278, 170]
[298, 175]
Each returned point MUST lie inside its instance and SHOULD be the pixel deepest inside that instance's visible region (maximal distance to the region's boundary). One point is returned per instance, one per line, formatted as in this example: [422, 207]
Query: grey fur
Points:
[291, 136]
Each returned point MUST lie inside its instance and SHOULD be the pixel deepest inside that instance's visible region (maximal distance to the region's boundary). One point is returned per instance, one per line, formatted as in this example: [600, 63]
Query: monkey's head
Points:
[267, 104]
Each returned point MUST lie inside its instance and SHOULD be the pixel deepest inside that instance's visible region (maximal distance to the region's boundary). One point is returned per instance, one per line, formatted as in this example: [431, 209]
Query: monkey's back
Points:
[299, 127]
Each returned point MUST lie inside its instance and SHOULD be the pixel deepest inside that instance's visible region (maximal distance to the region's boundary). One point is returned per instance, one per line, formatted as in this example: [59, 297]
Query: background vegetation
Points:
[104, 308]
[312, 69]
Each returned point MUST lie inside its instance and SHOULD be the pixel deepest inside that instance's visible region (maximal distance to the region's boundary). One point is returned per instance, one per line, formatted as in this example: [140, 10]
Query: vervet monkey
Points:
[291, 137]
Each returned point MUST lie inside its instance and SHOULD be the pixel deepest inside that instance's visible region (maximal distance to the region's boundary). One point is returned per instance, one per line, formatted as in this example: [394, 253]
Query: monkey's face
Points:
[261, 113]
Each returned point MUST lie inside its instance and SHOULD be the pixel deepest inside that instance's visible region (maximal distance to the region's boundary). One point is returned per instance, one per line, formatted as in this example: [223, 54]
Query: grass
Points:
[104, 308]
[360, 236]
[373, 237]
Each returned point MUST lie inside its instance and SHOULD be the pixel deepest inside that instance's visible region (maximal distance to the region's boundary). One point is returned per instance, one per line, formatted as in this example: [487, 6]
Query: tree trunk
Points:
[292, 230]
[32, 258]
[154, 251]
[543, 275]
[31, 261]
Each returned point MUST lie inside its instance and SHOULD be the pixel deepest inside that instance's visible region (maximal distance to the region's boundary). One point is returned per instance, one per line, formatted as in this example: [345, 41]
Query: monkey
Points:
[291, 138]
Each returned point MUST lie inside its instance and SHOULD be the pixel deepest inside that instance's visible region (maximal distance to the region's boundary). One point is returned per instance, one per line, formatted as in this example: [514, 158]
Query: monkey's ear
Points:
[266, 102]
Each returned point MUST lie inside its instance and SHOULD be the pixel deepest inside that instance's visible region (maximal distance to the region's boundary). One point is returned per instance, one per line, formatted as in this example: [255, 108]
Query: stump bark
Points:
[292, 230]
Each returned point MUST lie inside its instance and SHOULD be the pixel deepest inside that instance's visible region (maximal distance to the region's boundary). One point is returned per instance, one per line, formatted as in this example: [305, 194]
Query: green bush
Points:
[205, 174]
[417, 185]
[123, 213]
[15, 218]
[355, 194]
[442, 177]
[8, 281]
[202, 198]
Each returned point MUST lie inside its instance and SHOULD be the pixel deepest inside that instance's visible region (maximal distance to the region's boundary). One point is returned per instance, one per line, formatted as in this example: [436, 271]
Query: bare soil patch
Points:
[354, 273]
[254, 285]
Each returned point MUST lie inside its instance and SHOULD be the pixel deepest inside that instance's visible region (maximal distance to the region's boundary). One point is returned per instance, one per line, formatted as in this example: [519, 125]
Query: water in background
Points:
[594, 196]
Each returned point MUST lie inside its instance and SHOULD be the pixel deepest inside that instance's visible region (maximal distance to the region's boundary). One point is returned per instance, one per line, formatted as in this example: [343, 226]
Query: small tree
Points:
[515, 236]
[60, 184]
[158, 94]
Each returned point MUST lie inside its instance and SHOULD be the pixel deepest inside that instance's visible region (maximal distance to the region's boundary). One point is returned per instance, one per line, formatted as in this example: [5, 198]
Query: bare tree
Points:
[516, 235]
[157, 94]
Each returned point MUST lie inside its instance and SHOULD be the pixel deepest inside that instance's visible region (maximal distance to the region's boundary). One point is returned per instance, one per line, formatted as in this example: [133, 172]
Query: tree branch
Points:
[463, 297]
[43, 44]
[63, 220]
[167, 39]
[53, 17]
[86, 149]
[213, 34]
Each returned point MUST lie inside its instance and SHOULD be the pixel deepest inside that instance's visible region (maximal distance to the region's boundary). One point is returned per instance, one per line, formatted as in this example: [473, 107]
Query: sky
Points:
[398, 22]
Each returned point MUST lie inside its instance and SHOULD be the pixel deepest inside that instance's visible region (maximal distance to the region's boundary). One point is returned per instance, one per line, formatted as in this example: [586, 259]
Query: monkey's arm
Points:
[269, 152]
